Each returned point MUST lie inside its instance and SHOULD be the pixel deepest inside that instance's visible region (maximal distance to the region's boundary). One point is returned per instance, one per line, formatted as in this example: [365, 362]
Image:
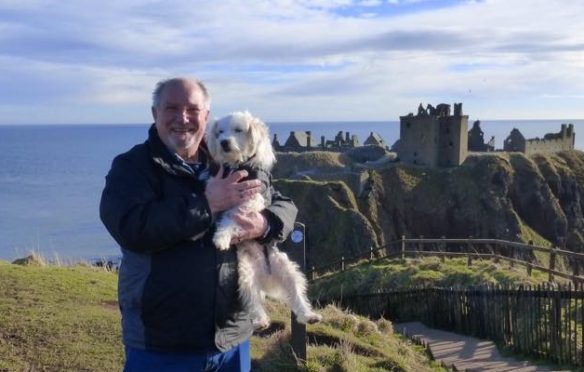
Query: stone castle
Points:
[434, 137]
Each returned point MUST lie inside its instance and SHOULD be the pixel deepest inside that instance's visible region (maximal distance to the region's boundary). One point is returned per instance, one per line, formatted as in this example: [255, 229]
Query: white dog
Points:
[241, 141]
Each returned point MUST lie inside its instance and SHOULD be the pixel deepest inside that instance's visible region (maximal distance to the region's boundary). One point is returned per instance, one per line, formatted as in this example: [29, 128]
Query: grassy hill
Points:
[66, 319]
[427, 271]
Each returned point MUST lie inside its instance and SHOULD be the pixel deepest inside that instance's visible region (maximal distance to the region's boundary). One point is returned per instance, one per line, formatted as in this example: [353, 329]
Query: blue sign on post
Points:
[297, 253]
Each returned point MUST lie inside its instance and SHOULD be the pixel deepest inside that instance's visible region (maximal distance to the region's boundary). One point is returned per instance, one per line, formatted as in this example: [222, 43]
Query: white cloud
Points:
[281, 55]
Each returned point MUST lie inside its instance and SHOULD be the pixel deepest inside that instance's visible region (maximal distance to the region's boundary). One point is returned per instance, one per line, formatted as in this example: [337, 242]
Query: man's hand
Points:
[225, 193]
[252, 225]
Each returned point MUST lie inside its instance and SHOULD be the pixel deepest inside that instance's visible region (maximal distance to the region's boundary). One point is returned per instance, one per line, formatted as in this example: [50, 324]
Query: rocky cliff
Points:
[501, 195]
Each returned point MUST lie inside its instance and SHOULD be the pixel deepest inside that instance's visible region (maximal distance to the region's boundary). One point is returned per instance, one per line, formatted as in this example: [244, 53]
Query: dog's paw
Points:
[222, 242]
[260, 323]
[308, 318]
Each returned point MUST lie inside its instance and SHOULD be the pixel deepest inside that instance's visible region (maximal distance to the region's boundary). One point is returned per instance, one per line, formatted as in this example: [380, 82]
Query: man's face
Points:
[181, 117]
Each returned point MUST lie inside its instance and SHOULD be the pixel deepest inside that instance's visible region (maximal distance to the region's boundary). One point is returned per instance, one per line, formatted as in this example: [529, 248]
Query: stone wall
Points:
[550, 143]
[554, 142]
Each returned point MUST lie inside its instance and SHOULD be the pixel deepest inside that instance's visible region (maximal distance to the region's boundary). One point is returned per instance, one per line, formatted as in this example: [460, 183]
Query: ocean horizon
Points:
[51, 177]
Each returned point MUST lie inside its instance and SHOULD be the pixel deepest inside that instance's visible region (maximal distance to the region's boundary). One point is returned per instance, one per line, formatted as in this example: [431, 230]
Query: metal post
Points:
[403, 247]
[298, 255]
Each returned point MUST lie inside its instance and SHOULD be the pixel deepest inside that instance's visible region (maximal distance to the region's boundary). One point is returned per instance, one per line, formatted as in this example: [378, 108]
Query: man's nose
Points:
[182, 116]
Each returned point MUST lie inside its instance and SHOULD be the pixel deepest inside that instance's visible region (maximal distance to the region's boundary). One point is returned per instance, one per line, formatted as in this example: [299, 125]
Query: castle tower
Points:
[434, 138]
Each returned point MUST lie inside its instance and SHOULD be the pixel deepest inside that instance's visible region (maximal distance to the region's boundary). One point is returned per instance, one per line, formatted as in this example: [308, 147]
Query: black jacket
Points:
[177, 292]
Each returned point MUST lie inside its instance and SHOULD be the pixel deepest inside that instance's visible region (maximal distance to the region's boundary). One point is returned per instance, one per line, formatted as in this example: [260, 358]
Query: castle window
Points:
[450, 144]
[415, 153]
[408, 124]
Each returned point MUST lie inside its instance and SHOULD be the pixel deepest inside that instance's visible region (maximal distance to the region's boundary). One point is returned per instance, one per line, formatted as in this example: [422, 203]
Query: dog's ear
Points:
[211, 139]
[260, 145]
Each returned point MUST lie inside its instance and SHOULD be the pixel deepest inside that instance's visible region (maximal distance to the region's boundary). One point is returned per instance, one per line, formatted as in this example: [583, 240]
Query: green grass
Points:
[58, 318]
[66, 319]
[428, 271]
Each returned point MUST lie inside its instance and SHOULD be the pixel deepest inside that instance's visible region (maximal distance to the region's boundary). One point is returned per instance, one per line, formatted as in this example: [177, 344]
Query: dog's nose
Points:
[226, 145]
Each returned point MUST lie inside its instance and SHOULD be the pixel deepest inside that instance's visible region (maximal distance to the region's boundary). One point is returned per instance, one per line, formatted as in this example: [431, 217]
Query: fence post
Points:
[342, 263]
[298, 254]
[468, 251]
[529, 265]
[552, 265]
[312, 275]
[371, 252]
[443, 248]
[403, 247]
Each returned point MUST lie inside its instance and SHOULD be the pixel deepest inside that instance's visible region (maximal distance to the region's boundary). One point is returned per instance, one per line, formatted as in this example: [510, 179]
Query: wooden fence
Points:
[544, 321]
[512, 252]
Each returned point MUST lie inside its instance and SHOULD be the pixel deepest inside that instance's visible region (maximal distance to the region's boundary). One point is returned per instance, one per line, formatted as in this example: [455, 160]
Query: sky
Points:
[88, 61]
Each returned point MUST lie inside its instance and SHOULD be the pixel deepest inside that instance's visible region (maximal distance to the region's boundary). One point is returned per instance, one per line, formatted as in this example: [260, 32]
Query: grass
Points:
[58, 318]
[427, 271]
[342, 342]
[55, 318]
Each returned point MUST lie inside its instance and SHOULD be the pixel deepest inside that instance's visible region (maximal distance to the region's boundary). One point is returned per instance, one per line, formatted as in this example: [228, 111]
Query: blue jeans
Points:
[233, 360]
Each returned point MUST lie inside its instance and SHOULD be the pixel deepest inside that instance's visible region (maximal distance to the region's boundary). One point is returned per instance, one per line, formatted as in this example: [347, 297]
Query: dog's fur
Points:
[241, 139]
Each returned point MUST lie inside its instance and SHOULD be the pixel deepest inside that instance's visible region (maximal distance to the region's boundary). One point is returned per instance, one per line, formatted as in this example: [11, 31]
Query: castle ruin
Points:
[551, 142]
[434, 137]
[476, 139]
[301, 141]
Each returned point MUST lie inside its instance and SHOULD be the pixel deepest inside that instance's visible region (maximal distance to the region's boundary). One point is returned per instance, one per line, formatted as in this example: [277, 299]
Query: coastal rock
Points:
[506, 196]
[334, 224]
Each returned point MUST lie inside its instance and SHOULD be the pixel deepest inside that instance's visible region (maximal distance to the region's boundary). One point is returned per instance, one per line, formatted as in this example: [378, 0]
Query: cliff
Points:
[502, 195]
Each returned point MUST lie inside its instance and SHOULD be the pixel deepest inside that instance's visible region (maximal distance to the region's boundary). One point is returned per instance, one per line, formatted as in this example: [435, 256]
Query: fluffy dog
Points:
[241, 141]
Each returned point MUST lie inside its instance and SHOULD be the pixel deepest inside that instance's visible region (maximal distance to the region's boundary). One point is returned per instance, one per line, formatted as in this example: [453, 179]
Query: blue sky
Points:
[292, 60]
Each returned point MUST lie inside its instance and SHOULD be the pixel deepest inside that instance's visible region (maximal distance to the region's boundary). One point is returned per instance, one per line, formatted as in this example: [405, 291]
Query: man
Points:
[177, 292]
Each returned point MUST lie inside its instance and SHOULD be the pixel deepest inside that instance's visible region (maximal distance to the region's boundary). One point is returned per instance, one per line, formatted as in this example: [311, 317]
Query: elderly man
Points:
[177, 292]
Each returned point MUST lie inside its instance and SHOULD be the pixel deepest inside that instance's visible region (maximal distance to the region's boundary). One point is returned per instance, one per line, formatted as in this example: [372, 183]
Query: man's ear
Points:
[153, 112]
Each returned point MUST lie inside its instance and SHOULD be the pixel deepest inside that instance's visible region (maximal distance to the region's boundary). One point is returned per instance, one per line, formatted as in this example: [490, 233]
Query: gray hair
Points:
[161, 85]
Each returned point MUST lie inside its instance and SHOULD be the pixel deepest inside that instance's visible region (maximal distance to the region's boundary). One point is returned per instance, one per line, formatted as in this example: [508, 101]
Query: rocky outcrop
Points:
[501, 195]
[334, 224]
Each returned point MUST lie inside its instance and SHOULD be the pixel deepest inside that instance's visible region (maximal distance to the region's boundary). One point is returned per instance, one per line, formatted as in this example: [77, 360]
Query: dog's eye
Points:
[220, 131]
[238, 130]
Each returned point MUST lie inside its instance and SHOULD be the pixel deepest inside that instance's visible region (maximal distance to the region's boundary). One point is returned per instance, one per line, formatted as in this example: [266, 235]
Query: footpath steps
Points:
[464, 352]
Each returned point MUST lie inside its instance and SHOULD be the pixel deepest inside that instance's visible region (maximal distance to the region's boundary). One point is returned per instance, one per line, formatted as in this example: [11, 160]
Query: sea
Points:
[51, 178]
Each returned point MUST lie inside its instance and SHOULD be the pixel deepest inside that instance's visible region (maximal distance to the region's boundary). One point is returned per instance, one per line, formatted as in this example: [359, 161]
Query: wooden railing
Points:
[470, 248]
[545, 321]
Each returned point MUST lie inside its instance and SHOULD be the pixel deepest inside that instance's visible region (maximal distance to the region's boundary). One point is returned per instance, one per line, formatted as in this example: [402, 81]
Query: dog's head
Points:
[240, 138]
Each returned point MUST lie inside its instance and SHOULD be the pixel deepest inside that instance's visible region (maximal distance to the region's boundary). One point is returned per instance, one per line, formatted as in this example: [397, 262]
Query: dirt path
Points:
[464, 352]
